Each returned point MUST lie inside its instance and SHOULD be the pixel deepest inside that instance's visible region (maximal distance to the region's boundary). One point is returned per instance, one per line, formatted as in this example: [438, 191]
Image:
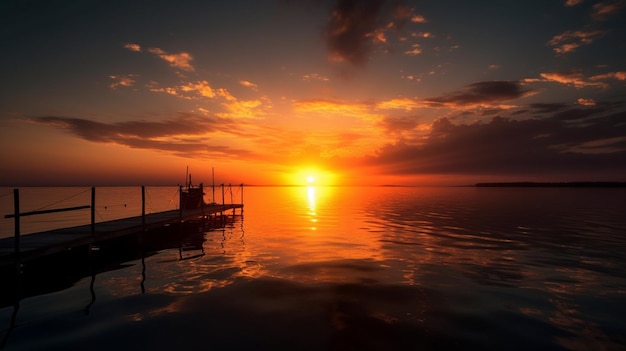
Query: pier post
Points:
[202, 202]
[223, 206]
[143, 207]
[93, 210]
[16, 206]
[230, 188]
[143, 219]
[180, 205]
[241, 198]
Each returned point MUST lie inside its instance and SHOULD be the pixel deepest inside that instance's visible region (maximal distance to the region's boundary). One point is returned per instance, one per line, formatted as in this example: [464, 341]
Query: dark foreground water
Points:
[347, 269]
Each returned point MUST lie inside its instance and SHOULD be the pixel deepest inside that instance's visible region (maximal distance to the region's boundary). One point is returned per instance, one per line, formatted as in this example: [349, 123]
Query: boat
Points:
[191, 196]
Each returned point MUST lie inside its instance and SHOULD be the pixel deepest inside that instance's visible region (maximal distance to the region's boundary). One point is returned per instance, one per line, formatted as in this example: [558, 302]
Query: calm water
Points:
[351, 269]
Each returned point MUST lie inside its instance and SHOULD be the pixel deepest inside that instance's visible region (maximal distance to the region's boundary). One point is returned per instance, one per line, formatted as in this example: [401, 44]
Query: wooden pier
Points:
[36, 245]
[22, 248]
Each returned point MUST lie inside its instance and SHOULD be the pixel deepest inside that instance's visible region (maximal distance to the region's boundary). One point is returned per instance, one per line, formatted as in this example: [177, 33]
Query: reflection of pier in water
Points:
[63, 270]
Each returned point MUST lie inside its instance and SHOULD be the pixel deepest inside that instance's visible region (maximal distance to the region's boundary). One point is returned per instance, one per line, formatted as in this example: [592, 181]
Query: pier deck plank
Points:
[57, 240]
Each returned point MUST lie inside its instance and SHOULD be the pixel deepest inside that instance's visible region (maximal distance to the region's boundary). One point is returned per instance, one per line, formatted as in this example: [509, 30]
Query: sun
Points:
[312, 176]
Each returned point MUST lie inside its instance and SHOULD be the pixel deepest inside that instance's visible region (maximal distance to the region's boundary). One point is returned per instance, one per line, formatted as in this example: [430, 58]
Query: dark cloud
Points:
[181, 136]
[548, 107]
[396, 124]
[574, 144]
[482, 93]
[350, 24]
[577, 114]
[355, 25]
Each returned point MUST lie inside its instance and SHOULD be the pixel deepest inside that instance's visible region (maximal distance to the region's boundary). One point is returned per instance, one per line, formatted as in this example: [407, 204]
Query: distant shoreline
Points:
[553, 185]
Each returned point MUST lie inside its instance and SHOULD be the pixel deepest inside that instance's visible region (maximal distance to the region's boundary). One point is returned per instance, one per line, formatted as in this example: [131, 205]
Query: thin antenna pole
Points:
[186, 175]
[230, 188]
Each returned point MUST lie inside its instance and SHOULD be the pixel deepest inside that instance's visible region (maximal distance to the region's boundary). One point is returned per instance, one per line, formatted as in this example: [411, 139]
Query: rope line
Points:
[99, 215]
[116, 205]
[67, 198]
[150, 204]
[7, 194]
[173, 197]
[236, 191]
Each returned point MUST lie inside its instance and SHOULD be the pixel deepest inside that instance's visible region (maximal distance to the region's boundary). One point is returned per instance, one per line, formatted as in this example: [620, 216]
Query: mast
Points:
[187, 176]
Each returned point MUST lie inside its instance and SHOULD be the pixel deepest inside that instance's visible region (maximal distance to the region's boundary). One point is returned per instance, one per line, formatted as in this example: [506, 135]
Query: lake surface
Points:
[354, 268]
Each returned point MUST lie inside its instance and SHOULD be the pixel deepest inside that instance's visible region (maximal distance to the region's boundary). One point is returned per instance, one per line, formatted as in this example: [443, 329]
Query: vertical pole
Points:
[93, 210]
[180, 205]
[230, 188]
[187, 175]
[16, 206]
[143, 224]
[213, 183]
[143, 207]
[223, 206]
[241, 198]
[202, 198]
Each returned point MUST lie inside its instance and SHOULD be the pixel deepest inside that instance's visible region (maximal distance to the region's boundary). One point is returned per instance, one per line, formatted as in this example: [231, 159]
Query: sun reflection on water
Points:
[311, 198]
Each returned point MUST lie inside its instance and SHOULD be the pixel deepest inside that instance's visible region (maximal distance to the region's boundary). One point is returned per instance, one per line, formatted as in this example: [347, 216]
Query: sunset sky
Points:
[431, 92]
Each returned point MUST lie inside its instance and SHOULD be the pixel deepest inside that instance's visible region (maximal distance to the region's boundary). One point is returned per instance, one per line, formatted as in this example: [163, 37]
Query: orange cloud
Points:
[133, 47]
[122, 81]
[314, 76]
[342, 115]
[398, 104]
[194, 90]
[225, 94]
[602, 10]
[573, 2]
[197, 90]
[610, 75]
[418, 19]
[586, 102]
[416, 50]
[379, 36]
[572, 40]
[202, 90]
[248, 84]
[242, 109]
[180, 60]
[321, 105]
[422, 35]
[571, 78]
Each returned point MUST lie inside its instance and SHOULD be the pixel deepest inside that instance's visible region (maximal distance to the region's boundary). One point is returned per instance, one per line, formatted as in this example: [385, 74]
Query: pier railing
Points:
[156, 219]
